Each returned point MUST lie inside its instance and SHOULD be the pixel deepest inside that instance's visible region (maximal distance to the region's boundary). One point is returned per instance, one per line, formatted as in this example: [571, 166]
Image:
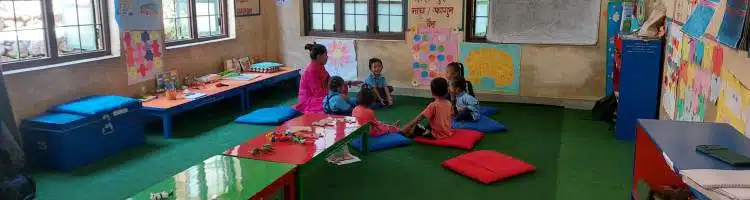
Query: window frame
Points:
[53, 56]
[471, 23]
[224, 7]
[338, 27]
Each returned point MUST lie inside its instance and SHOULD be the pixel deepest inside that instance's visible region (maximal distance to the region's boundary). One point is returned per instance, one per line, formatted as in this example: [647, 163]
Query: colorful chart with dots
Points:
[432, 50]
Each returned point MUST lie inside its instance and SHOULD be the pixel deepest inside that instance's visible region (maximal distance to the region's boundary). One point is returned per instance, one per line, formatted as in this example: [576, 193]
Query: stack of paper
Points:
[242, 77]
[719, 184]
[342, 157]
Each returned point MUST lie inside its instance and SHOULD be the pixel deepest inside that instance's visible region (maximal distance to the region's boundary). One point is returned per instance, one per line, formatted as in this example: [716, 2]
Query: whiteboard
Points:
[572, 22]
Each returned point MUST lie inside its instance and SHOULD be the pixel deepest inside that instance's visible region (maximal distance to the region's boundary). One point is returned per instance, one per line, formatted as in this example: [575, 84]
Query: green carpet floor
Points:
[576, 158]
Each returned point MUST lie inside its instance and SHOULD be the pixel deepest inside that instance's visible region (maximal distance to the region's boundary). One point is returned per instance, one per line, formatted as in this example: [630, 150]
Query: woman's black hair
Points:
[335, 83]
[439, 87]
[373, 61]
[460, 71]
[365, 96]
[316, 50]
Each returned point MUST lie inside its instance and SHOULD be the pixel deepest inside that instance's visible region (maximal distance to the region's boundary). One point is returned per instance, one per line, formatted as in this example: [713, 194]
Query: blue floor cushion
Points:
[386, 141]
[269, 116]
[484, 125]
[487, 111]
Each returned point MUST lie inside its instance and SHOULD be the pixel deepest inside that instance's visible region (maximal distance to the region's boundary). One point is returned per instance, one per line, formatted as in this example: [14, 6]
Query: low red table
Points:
[333, 137]
[298, 154]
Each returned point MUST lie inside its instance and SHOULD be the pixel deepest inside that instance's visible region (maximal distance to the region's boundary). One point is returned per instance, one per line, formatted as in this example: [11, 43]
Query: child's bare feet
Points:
[397, 123]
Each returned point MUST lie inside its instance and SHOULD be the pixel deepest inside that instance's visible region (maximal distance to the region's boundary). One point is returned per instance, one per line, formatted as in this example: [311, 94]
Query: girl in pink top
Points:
[313, 85]
[365, 114]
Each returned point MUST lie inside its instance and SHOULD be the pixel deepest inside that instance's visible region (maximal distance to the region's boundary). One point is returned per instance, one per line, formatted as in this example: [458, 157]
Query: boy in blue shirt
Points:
[376, 81]
[337, 102]
[467, 106]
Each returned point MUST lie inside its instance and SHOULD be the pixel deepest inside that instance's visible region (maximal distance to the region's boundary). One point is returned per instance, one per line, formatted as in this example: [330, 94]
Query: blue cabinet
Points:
[640, 78]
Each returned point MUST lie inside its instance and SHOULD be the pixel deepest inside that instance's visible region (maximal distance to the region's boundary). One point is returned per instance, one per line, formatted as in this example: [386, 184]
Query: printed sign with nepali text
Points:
[435, 13]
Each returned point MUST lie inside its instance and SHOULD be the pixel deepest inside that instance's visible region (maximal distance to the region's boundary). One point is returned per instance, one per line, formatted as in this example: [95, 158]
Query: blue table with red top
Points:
[676, 141]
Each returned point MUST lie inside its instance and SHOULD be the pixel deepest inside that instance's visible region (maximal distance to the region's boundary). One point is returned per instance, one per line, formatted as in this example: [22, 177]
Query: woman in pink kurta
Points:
[313, 85]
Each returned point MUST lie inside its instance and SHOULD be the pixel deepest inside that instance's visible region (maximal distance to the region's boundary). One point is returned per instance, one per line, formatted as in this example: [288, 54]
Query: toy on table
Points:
[265, 149]
[161, 195]
[298, 135]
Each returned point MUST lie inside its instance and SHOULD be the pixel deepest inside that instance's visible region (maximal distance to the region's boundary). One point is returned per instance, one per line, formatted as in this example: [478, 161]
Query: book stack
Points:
[719, 184]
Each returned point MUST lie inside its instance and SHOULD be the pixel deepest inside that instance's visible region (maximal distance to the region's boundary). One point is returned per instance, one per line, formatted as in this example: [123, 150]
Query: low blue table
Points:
[165, 109]
[664, 148]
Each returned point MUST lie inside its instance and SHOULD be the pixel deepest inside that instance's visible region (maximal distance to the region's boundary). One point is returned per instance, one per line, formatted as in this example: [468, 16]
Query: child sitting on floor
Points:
[455, 70]
[377, 82]
[467, 107]
[337, 102]
[364, 114]
[438, 114]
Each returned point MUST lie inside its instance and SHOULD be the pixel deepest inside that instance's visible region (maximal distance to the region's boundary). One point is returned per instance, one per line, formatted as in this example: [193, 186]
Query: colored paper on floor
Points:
[731, 101]
[733, 23]
[492, 67]
[698, 21]
[143, 52]
[139, 14]
[342, 58]
[432, 50]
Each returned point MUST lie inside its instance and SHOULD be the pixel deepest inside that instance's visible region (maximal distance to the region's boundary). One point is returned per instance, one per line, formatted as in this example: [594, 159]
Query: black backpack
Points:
[605, 109]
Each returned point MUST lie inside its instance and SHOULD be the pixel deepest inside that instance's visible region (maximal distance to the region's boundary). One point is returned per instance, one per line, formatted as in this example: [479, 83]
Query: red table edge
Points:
[287, 182]
[649, 165]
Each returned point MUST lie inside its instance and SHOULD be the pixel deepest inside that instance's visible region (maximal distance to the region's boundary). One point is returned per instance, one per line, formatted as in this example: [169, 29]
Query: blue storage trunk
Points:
[78, 133]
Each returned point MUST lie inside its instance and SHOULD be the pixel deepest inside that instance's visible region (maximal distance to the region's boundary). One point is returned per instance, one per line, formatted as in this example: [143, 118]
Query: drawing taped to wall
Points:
[492, 67]
[342, 58]
[139, 14]
[432, 50]
[143, 52]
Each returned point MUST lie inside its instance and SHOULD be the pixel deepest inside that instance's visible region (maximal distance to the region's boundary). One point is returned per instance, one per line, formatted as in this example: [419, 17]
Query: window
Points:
[478, 17]
[378, 19]
[190, 21]
[42, 32]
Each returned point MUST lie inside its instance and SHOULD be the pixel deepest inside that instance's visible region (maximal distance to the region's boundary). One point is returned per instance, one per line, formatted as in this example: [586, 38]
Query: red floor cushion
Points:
[462, 139]
[487, 166]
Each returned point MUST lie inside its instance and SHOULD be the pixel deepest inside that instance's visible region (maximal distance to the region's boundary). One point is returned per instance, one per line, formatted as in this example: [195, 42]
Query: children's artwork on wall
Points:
[697, 23]
[139, 14]
[681, 11]
[342, 58]
[733, 23]
[435, 13]
[732, 102]
[717, 63]
[246, 7]
[671, 66]
[614, 12]
[143, 52]
[492, 67]
[432, 50]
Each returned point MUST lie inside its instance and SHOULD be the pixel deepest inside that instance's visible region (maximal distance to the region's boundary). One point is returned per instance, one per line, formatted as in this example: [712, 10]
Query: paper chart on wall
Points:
[733, 99]
[699, 19]
[492, 67]
[342, 58]
[733, 23]
[717, 66]
[671, 66]
[143, 52]
[139, 14]
[435, 13]
[432, 50]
